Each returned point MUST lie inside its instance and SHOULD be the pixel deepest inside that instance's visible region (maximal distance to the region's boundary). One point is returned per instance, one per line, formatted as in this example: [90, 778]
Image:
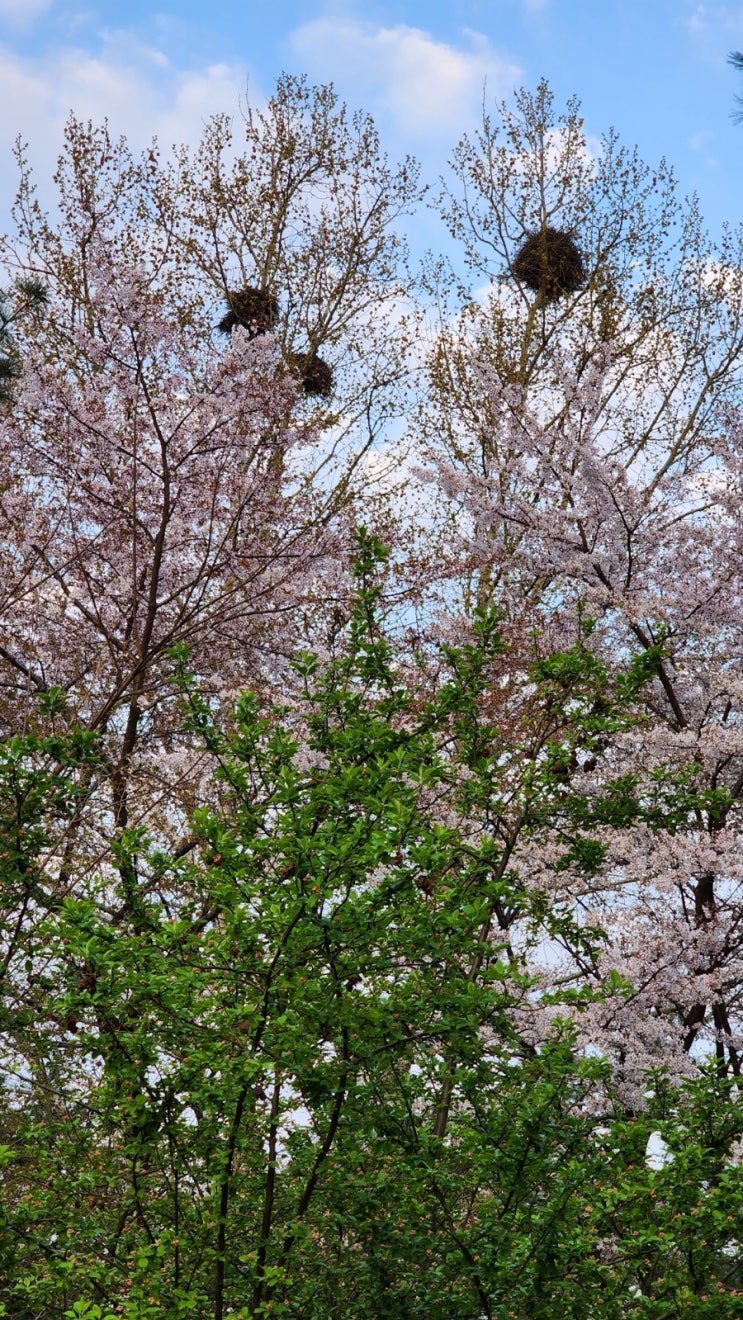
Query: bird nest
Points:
[254, 309]
[316, 375]
[550, 263]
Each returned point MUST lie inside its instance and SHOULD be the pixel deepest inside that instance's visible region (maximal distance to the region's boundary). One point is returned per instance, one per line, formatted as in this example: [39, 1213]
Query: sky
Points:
[655, 70]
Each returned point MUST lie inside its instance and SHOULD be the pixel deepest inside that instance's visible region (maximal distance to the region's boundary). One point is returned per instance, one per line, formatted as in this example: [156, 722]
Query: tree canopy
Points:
[371, 762]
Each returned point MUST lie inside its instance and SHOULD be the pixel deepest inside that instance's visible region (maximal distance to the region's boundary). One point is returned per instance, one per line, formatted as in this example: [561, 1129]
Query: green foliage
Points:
[37, 785]
[294, 1078]
[27, 295]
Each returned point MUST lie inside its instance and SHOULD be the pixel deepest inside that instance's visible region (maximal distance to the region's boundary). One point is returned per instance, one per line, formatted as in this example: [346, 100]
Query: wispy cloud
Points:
[22, 13]
[134, 85]
[714, 24]
[700, 144]
[697, 20]
[425, 86]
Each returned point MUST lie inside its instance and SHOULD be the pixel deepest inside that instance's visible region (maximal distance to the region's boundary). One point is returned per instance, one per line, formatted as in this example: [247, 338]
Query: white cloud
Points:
[714, 29]
[22, 13]
[135, 86]
[427, 86]
[699, 143]
[697, 22]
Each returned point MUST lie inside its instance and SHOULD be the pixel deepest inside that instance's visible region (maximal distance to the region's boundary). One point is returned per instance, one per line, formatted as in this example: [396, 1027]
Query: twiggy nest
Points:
[254, 309]
[317, 376]
[550, 263]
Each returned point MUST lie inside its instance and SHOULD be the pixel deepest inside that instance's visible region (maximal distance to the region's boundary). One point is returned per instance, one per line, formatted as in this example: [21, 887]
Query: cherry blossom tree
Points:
[298, 200]
[166, 483]
[586, 442]
[143, 502]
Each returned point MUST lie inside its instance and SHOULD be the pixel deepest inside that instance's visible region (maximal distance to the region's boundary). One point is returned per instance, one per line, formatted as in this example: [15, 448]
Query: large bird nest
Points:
[550, 263]
[316, 375]
[254, 309]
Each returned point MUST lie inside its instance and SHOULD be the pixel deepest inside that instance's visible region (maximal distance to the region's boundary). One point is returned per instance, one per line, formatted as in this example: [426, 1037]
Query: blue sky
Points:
[654, 69]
